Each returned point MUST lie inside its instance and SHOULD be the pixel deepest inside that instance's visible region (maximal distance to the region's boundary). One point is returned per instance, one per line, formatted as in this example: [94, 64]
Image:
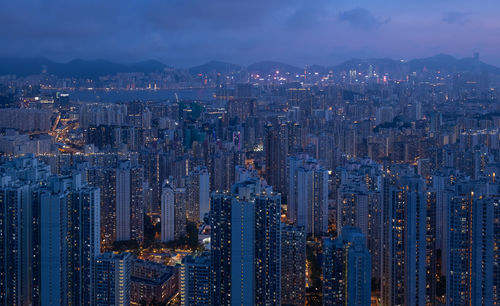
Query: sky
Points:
[183, 33]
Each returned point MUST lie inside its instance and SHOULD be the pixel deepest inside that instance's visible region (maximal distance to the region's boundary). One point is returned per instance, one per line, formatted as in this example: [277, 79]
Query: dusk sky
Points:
[189, 32]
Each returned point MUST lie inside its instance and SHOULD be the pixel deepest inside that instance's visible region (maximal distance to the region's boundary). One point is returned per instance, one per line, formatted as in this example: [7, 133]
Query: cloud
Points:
[456, 17]
[189, 32]
[362, 18]
[310, 14]
[217, 15]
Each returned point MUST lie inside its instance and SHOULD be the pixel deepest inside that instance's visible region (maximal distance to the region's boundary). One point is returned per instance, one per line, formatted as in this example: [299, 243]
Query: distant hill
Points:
[95, 68]
[440, 62]
[23, 67]
[75, 68]
[215, 67]
[451, 64]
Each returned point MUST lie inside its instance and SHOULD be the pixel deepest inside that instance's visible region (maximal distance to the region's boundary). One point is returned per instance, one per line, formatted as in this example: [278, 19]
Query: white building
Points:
[167, 213]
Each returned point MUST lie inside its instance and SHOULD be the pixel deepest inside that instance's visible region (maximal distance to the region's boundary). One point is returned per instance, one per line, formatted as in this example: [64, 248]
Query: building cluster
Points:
[26, 120]
[363, 188]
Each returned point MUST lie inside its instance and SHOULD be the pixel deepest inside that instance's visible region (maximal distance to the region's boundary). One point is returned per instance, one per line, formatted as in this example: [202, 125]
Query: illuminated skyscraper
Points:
[496, 251]
[20, 186]
[302, 98]
[195, 280]
[167, 213]
[293, 265]
[308, 196]
[129, 203]
[458, 269]
[246, 245]
[482, 251]
[276, 149]
[180, 200]
[362, 209]
[346, 269]
[471, 261]
[404, 269]
[220, 243]
[197, 187]
[431, 260]
[14, 244]
[173, 212]
[267, 249]
[112, 279]
[69, 240]
[105, 179]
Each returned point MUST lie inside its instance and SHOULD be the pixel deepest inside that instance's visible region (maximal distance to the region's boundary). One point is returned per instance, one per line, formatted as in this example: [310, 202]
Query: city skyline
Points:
[284, 152]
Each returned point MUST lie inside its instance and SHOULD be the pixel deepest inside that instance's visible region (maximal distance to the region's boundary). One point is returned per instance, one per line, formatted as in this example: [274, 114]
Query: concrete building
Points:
[346, 269]
[196, 280]
[112, 279]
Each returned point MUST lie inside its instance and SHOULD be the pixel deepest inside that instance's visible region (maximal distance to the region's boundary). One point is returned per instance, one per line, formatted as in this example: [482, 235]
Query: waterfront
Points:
[123, 95]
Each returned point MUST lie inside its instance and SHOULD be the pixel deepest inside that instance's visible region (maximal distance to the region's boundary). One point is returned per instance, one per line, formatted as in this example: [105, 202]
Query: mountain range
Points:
[76, 68]
[96, 68]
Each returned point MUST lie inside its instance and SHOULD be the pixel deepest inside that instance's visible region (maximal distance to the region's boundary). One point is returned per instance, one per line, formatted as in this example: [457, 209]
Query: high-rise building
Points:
[196, 280]
[243, 255]
[267, 248]
[69, 240]
[129, 203]
[112, 279]
[346, 269]
[180, 200]
[470, 246]
[197, 187]
[482, 251]
[220, 244]
[362, 209]
[20, 183]
[439, 186]
[496, 251]
[105, 179]
[122, 199]
[308, 195]
[293, 265]
[300, 97]
[15, 249]
[255, 244]
[150, 161]
[221, 167]
[431, 260]
[458, 268]
[294, 162]
[173, 212]
[246, 245]
[25, 119]
[102, 114]
[50, 234]
[276, 149]
[84, 229]
[167, 213]
[406, 252]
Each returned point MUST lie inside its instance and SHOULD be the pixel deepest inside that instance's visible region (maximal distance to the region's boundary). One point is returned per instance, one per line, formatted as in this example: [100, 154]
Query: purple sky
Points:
[189, 32]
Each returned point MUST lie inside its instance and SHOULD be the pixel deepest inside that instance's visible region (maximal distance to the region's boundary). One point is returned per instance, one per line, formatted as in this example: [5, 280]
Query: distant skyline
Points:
[192, 32]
